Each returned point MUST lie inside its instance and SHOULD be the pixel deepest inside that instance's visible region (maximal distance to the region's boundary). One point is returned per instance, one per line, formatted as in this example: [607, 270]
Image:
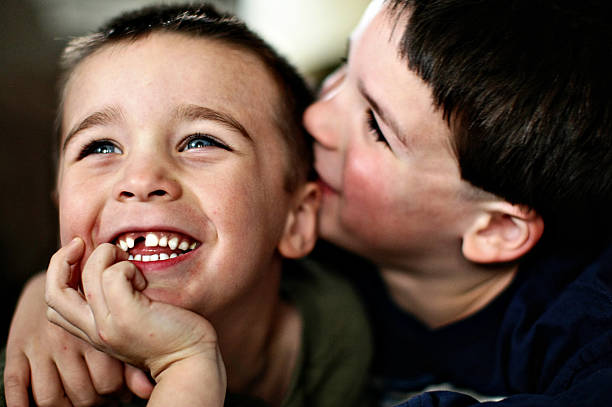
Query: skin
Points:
[161, 162]
[178, 347]
[152, 180]
[396, 196]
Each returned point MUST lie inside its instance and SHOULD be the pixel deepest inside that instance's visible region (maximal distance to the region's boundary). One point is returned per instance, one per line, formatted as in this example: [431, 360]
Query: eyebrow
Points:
[110, 115]
[103, 117]
[389, 121]
[195, 112]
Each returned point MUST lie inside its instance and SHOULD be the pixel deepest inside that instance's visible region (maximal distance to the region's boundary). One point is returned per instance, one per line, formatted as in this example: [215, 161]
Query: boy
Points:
[466, 148]
[173, 157]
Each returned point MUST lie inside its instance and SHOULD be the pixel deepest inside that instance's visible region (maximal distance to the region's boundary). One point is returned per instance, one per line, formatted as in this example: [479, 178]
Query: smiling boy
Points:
[182, 151]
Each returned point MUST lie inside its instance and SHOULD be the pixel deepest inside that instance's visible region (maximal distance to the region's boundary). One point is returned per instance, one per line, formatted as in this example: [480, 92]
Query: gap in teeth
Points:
[156, 239]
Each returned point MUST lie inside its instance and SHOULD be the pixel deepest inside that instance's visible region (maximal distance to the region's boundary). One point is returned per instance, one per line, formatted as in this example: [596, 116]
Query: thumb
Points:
[137, 381]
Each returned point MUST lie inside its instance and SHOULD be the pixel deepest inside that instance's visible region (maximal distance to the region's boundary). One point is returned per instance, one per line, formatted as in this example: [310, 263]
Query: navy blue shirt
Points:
[544, 341]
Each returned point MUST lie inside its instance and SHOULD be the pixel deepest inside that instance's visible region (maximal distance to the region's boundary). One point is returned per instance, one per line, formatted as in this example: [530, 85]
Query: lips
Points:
[326, 187]
[155, 245]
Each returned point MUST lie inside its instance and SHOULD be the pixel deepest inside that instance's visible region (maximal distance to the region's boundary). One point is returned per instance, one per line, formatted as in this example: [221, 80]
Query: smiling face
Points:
[169, 149]
[392, 187]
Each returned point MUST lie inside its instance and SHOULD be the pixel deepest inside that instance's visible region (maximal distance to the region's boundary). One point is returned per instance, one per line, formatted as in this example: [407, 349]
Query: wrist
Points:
[198, 377]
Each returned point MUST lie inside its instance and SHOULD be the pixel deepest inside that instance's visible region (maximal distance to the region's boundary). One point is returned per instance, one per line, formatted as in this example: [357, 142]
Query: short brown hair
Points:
[205, 21]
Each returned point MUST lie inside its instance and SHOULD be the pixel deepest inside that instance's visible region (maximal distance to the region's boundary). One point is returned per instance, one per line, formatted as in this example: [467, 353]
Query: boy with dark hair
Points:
[489, 124]
[464, 149]
[182, 186]
[526, 88]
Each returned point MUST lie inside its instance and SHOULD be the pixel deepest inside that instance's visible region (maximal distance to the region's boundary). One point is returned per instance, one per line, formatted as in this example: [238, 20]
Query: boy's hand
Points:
[61, 370]
[115, 317]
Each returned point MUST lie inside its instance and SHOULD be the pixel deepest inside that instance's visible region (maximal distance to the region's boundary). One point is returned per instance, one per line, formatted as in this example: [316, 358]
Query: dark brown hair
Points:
[526, 89]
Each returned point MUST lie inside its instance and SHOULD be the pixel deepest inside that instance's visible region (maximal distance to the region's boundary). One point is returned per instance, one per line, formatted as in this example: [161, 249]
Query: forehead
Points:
[172, 69]
[384, 76]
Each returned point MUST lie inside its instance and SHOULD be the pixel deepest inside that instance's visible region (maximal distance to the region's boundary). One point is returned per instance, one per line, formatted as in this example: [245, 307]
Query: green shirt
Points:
[333, 364]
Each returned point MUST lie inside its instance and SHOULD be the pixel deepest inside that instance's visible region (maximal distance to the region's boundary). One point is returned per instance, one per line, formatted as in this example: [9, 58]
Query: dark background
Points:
[27, 109]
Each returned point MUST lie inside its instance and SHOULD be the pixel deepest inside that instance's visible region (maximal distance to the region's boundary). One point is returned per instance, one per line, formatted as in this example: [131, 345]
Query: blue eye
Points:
[199, 140]
[99, 147]
[199, 143]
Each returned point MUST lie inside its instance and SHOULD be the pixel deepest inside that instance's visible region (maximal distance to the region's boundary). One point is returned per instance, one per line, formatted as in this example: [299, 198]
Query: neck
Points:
[260, 341]
[444, 293]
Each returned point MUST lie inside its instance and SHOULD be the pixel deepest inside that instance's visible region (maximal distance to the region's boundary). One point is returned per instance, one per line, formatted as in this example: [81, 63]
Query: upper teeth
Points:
[151, 240]
[156, 240]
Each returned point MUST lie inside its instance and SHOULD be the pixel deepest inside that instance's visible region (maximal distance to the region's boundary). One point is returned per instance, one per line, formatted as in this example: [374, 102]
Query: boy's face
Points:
[174, 137]
[393, 187]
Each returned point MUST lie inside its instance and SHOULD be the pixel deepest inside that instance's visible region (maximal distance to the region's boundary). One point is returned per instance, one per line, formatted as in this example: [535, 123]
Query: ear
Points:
[502, 233]
[300, 233]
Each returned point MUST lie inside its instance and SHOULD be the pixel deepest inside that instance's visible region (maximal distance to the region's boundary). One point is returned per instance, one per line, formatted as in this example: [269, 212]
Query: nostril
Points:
[127, 194]
[158, 192]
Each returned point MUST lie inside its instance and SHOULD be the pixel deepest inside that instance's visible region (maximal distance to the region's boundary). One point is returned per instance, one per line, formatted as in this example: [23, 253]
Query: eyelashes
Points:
[374, 128]
[99, 147]
[193, 141]
[201, 140]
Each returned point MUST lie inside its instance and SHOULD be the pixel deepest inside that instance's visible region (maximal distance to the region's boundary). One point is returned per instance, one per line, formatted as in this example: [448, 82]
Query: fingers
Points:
[76, 381]
[122, 284]
[111, 287]
[67, 307]
[138, 381]
[47, 388]
[16, 380]
[106, 372]
[69, 256]
[108, 274]
[59, 294]
[101, 258]
[56, 318]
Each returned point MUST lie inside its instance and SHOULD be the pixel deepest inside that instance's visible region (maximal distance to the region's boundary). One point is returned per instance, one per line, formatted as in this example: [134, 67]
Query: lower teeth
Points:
[153, 257]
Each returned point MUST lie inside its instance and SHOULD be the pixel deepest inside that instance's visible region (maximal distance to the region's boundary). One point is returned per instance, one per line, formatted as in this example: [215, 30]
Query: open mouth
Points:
[155, 246]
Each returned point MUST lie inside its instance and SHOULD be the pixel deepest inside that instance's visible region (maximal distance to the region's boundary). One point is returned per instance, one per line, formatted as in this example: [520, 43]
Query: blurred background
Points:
[310, 33]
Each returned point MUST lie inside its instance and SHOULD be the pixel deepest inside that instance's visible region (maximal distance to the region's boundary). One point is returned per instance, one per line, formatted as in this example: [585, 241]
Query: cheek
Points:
[369, 195]
[78, 206]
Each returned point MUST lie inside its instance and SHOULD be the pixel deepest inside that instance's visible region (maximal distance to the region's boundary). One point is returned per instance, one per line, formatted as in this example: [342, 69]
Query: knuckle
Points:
[107, 249]
[85, 400]
[110, 385]
[49, 399]
[50, 314]
[13, 381]
[105, 335]
[50, 298]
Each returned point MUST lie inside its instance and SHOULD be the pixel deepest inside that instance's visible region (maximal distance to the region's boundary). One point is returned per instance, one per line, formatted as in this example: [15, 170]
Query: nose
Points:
[323, 123]
[146, 179]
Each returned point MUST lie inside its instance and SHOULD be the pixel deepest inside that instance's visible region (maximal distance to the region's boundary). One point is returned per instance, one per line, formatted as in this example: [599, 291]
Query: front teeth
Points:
[151, 240]
[163, 241]
[154, 240]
